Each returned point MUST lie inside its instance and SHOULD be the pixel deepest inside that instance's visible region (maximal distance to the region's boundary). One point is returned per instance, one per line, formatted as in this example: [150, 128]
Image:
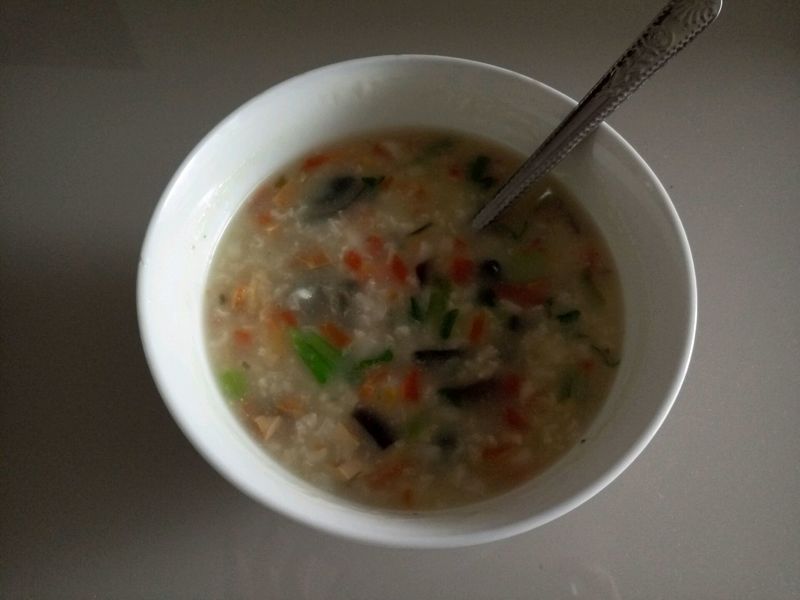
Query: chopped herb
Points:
[375, 426]
[373, 182]
[568, 317]
[420, 229]
[245, 365]
[447, 323]
[384, 357]
[440, 296]
[416, 310]
[437, 355]
[233, 383]
[487, 297]
[319, 356]
[470, 394]
[606, 356]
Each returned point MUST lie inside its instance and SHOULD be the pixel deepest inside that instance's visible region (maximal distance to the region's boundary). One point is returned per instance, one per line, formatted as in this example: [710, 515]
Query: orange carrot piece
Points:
[515, 419]
[242, 337]
[314, 161]
[496, 453]
[353, 260]
[510, 386]
[386, 473]
[411, 385]
[477, 327]
[374, 245]
[398, 269]
[335, 334]
[461, 270]
[527, 294]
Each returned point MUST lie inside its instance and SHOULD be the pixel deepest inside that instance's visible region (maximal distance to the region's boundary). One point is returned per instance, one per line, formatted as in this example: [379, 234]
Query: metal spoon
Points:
[678, 23]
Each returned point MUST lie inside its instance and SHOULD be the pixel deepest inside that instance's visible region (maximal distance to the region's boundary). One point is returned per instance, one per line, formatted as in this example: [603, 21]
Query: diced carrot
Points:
[374, 245]
[314, 161]
[496, 453]
[285, 196]
[266, 220]
[527, 294]
[387, 472]
[477, 327]
[461, 270]
[398, 269]
[353, 260]
[312, 258]
[239, 297]
[510, 386]
[412, 385]
[335, 334]
[280, 317]
[515, 419]
[242, 337]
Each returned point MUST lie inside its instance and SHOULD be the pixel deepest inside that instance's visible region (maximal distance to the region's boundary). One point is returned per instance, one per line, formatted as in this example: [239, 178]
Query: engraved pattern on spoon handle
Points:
[678, 23]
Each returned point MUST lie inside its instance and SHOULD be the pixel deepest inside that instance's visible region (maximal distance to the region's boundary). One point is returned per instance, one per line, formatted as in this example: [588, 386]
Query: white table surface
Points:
[102, 497]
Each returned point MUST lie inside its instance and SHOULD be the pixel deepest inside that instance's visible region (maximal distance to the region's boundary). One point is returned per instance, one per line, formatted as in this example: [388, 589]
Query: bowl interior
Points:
[607, 176]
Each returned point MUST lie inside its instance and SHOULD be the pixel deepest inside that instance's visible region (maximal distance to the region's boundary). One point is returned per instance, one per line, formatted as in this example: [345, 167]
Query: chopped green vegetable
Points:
[440, 296]
[384, 357]
[447, 323]
[319, 356]
[606, 356]
[233, 383]
[572, 385]
[568, 317]
[416, 310]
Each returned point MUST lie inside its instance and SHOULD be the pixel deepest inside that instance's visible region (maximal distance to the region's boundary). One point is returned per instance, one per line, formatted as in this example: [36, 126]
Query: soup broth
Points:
[379, 348]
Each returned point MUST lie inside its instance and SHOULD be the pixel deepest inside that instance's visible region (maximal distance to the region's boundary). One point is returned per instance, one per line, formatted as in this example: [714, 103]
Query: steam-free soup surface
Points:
[380, 349]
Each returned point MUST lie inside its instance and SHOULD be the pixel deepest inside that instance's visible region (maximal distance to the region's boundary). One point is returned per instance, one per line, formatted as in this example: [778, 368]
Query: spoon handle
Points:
[678, 23]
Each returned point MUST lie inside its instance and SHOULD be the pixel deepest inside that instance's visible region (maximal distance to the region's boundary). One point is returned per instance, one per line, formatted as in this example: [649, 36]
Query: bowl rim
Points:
[459, 539]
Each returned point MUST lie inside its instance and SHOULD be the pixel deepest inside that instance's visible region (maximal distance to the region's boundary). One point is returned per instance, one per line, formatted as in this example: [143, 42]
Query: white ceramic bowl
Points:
[607, 175]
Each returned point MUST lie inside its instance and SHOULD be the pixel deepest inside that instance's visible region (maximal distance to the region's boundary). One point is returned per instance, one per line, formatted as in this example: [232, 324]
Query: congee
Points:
[377, 347]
